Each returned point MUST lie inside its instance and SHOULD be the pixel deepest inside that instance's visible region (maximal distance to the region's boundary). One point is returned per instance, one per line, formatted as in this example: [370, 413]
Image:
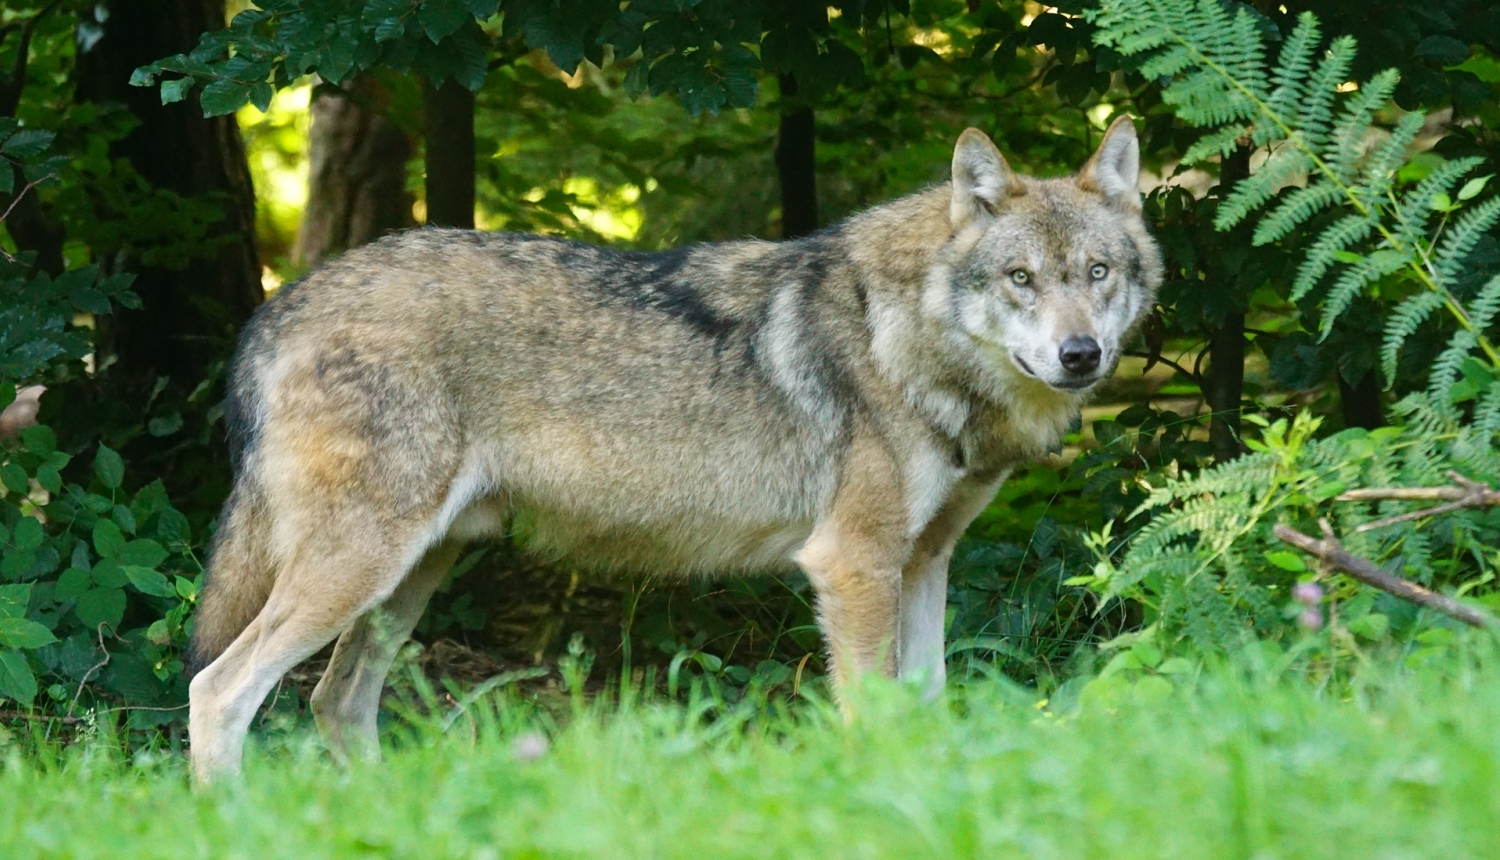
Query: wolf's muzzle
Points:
[1079, 355]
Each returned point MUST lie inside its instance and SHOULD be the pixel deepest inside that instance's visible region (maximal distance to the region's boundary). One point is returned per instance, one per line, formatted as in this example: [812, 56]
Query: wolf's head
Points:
[1049, 276]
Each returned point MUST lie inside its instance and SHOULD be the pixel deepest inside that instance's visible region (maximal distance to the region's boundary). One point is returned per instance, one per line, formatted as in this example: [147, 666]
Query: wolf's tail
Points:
[238, 580]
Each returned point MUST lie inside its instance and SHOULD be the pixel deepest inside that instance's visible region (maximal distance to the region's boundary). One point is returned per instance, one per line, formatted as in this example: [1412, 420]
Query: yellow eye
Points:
[1099, 271]
[1020, 277]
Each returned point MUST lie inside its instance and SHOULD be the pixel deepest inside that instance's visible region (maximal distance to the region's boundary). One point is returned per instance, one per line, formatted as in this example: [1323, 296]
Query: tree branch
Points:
[1464, 494]
[1332, 554]
[10, 97]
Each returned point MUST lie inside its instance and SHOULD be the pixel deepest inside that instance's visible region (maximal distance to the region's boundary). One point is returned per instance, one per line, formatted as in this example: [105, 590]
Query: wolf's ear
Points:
[1115, 168]
[981, 179]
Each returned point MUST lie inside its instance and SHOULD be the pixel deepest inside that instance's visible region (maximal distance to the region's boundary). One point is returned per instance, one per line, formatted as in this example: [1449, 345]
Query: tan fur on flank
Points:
[847, 402]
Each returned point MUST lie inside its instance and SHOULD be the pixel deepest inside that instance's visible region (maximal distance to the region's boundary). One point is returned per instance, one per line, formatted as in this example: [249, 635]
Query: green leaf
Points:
[109, 573]
[108, 467]
[142, 553]
[16, 678]
[1286, 560]
[39, 439]
[17, 563]
[1472, 188]
[187, 589]
[441, 18]
[149, 581]
[14, 478]
[27, 143]
[101, 606]
[23, 633]
[224, 97]
[27, 534]
[164, 425]
[108, 540]
[14, 599]
[49, 478]
[72, 584]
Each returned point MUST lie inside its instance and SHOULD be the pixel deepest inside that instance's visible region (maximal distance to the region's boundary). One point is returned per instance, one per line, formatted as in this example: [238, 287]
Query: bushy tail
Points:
[238, 580]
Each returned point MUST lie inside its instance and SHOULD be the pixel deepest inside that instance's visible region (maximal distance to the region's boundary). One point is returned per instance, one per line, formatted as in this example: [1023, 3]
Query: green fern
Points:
[1214, 59]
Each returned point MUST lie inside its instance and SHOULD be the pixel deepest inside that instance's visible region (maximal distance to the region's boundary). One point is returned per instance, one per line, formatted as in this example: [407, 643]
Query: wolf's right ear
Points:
[982, 181]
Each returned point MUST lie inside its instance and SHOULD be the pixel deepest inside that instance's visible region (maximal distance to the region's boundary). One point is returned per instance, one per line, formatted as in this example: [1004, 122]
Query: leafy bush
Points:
[1205, 566]
[96, 583]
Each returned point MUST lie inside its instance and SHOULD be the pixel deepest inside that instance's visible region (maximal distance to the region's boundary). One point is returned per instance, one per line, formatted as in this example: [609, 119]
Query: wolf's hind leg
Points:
[346, 701]
[318, 593]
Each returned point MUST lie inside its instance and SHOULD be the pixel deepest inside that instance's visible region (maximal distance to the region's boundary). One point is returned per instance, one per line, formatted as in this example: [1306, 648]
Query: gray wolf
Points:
[847, 402]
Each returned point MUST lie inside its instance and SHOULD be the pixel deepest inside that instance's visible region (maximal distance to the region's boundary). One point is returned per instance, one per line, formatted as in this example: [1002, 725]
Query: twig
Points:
[90, 673]
[1465, 494]
[23, 715]
[1332, 553]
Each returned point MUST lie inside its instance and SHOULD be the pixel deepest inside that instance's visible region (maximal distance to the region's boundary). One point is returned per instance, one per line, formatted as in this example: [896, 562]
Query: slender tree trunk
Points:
[190, 312]
[796, 143]
[356, 184]
[1224, 385]
[26, 222]
[448, 126]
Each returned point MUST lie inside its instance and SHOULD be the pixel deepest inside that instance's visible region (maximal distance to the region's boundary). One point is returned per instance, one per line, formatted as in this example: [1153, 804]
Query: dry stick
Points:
[1333, 554]
[1465, 493]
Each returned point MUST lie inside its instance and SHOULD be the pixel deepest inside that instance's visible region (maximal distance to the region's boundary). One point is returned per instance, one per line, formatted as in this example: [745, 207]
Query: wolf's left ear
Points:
[982, 180]
[1115, 169]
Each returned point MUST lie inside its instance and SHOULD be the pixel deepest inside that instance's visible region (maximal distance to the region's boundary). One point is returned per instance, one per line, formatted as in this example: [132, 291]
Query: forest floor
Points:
[1219, 766]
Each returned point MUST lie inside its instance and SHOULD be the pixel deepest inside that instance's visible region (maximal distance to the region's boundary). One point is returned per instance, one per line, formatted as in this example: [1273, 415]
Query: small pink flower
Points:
[1309, 594]
[1311, 619]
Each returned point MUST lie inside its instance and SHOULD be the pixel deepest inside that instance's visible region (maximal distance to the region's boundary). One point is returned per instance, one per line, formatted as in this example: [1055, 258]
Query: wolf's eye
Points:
[1020, 277]
[1099, 271]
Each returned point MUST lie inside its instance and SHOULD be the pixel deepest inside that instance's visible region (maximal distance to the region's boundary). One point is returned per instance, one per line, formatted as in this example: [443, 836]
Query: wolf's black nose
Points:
[1079, 354]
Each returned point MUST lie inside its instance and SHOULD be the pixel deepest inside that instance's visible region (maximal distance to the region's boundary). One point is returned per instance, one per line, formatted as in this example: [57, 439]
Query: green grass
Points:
[1221, 767]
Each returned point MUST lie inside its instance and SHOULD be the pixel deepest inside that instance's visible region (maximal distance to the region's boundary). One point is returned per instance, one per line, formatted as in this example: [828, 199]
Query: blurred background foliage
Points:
[215, 165]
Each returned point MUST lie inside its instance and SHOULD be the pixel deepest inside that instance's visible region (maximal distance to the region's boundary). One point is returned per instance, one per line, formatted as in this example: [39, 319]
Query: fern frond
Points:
[1347, 144]
[1445, 370]
[1314, 116]
[1297, 208]
[1461, 238]
[1290, 81]
[1378, 174]
[1220, 143]
[1484, 306]
[1253, 192]
[1404, 322]
[1354, 227]
[1374, 266]
[1416, 205]
[1487, 414]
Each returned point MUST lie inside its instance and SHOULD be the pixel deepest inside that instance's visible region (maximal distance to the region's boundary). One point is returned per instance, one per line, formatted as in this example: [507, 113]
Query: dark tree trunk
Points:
[190, 313]
[1225, 383]
[796, 164]
[356, 185]
[448, 126]
[26, 222]
[1360, 402]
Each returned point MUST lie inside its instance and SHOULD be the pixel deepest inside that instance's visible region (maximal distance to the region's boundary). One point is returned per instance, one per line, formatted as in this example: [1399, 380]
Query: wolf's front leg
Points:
[854, 559]
[924, 588]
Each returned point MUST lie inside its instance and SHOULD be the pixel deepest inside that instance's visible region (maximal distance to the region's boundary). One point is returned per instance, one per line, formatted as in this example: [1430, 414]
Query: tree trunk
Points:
[448, 126]
[190, 313]
[356, 184]
[1225, 383]
[796, 164]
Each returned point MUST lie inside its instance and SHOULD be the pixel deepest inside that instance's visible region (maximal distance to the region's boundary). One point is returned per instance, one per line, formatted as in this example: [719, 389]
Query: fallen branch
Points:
[1332, 554]
[1463, 494]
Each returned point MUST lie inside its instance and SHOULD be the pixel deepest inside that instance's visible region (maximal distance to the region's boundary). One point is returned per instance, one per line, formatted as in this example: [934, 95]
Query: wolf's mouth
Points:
[1025, 368]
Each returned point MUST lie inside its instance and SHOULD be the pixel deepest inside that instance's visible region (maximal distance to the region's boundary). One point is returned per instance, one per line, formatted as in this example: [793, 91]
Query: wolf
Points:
[846, 403]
